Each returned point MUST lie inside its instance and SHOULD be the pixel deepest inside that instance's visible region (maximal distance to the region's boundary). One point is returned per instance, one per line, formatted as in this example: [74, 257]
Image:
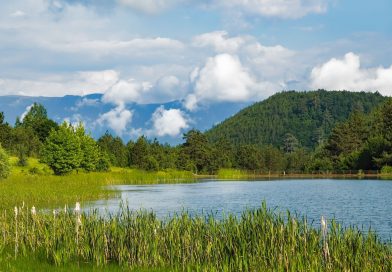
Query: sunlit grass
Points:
[234, 174]
[259, 240]
[46, 190]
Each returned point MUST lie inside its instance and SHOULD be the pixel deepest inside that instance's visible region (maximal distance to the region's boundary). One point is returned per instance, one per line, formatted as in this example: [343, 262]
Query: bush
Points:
[386, 169]
[5, 166]
[103, 164]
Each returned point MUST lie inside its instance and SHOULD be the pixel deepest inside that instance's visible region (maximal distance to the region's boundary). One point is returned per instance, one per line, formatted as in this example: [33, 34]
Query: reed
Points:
[258, 240]
[48, 191]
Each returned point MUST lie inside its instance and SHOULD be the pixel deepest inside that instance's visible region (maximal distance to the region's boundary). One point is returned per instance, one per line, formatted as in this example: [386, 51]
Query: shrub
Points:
[5, 166]
[386, 169]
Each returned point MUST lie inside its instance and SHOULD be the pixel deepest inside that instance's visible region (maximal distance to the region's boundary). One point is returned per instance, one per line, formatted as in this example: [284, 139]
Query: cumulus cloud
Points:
[347, 74]
[125, 91]
[219, 41]
[117, 119]
[224, 78]
[169, 122]
[165, 89]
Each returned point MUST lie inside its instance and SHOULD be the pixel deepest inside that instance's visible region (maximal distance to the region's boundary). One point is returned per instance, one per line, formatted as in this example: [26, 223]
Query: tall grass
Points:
[259, 240]
[46, 190]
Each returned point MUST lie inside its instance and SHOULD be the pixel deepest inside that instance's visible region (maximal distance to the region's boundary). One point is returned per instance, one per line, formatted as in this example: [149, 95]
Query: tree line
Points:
[363, 141]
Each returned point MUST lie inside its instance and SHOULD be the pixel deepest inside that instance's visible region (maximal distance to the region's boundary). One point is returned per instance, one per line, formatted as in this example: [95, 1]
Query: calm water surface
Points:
[364, 203]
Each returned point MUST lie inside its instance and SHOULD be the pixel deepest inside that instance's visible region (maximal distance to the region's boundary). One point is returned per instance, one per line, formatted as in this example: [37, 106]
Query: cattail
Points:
[324, 227]
[324, 231]
[33, 211]
[77, 207]
[16, 211]
[65, 208]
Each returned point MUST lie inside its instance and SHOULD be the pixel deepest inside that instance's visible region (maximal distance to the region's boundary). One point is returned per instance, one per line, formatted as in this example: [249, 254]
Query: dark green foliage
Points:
[62, 151]
[139, 153]
[37, 119]
[90, 150]
[103, 164]
[290, 143]
[4, 164]
[115, 149]
[25, 143]
[362, 142]
[308, 116]
[249, 157]
[199, 151]
[5, 133]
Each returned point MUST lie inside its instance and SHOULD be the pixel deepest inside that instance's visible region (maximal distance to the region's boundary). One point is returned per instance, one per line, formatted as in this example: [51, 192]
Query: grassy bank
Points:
[40, 187]
[236, 174]
[259, 240]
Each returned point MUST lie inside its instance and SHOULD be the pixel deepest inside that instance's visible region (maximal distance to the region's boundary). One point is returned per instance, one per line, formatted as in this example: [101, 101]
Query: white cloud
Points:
[79, 83]
[126, 91]
[150, 6]
[132, 48]
[169, 122]
[287, 9]
[167, 88]
[219, 41]
[28, 108]
[347, 74]
[18, 13]
[224, 78]
[117, 119]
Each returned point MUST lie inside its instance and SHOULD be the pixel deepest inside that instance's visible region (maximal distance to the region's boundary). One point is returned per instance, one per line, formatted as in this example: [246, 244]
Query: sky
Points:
[196, 51]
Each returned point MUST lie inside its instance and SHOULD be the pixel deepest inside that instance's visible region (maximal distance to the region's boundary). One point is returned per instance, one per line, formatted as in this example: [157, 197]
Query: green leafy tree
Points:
[37, 119]
[4, 164]
[273, 158]
[103, 164]
[25, 143]
[115, 148]
[139, 153]
[249, 157]
[5, 133]
[89, 149]
[198, 150]
[297, 160]
[62, 150]
[290, 143]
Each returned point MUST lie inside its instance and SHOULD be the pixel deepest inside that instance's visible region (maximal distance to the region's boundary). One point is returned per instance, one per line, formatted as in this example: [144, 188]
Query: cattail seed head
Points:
[77, 207]
[33, 211]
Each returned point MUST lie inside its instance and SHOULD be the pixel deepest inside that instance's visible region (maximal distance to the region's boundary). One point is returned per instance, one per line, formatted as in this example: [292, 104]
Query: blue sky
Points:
[200, 52]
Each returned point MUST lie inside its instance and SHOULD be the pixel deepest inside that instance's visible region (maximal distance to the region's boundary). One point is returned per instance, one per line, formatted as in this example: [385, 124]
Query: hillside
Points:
[309, 116]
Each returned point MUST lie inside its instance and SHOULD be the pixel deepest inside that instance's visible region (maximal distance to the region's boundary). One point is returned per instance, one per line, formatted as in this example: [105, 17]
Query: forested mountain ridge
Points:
[309, 116]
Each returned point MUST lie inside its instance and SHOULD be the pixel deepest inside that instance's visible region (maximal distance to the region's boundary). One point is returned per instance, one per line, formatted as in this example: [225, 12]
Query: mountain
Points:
[89, 108]
[309, 116]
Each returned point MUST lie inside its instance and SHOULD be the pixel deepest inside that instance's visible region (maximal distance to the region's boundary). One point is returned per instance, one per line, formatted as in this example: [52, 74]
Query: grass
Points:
[259, 240]
[40, 187]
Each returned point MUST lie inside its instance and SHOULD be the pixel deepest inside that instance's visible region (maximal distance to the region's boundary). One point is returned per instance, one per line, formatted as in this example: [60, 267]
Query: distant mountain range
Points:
[89, 108]
[309, 116]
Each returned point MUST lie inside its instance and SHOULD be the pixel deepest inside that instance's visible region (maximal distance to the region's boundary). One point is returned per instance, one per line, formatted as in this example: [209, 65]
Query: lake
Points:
[364, 203]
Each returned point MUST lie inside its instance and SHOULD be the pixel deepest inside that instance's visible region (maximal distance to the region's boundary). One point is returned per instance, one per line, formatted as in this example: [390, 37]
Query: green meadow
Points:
[36, 185]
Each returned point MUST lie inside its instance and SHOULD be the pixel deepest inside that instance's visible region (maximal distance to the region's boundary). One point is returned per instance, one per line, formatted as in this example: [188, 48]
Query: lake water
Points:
[364, 203]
